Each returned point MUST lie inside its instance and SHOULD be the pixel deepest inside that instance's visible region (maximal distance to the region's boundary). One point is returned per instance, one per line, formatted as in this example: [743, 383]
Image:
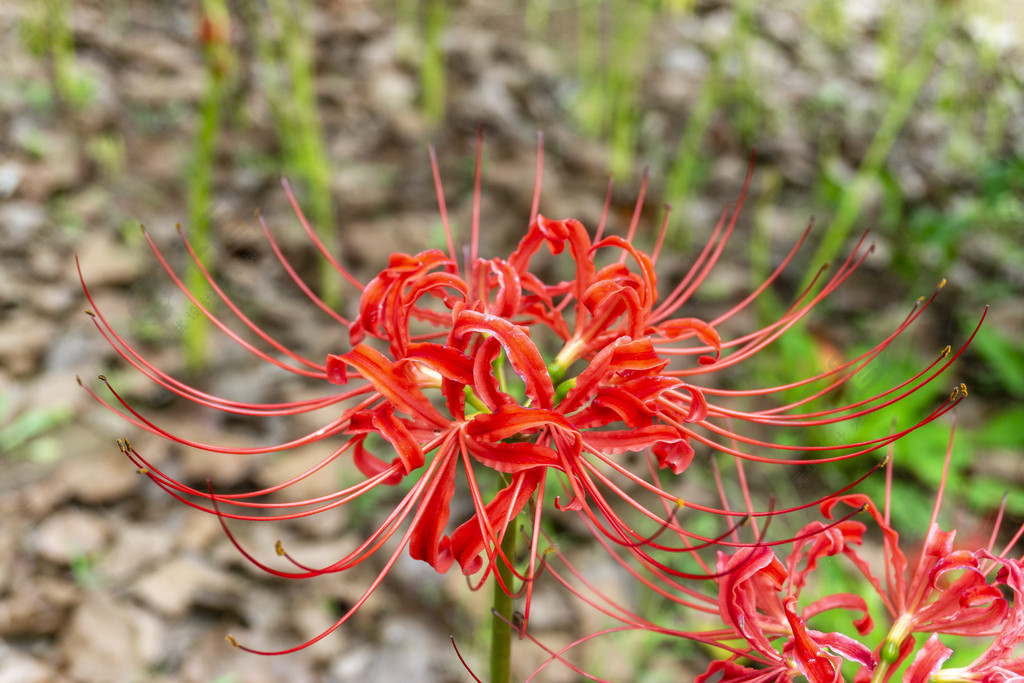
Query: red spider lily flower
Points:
[949, 592]
[997, 664]
[446, 369]
[758, 597]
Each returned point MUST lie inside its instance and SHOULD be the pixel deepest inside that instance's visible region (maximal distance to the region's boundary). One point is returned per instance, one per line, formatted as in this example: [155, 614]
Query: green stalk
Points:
[908, 86]
[432, 71]
[632, 24]
[302, 133]
[501, 619]
[285, 53]
[680, 182]
[310, 155]
[62, 49]
[588, 107]
[538, 14]
[200, 181]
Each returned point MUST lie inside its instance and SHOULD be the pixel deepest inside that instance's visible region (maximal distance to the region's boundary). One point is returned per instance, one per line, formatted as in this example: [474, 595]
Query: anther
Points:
[90, 313]
[517, 621]
[79, 380]
[279, 548]
[946, 351]
[231, 639]
[102, 378]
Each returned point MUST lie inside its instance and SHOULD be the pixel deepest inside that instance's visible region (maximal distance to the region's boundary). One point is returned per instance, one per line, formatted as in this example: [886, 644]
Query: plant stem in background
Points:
[433, 81]
[47, 32]
[587, 106]
[286, 56]
[607, 103]
[624, 80]
[72, 89]
[215, 36]
[680, 182]
[501, 619]
[907, 84]
[715, 91]
[537, 17]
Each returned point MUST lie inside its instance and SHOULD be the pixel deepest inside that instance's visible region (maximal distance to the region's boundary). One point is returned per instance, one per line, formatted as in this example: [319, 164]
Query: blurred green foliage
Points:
[25, 432]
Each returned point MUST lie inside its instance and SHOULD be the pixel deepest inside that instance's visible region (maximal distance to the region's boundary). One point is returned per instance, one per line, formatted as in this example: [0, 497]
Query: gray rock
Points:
[110, 640]
[20, 222]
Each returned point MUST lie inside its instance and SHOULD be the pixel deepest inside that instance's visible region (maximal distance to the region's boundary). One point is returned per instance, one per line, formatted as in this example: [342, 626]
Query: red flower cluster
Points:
[952, 592]
[459, 388]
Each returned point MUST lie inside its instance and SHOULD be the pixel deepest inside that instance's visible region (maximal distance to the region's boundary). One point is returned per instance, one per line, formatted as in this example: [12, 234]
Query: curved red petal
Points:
[522, 354]
[468, 541]
[512, 420]
[392, 383]
[401, 439]
[620, 441]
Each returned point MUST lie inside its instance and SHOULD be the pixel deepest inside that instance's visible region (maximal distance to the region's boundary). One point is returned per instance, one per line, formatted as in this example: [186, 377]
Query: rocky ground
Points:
[105, 578]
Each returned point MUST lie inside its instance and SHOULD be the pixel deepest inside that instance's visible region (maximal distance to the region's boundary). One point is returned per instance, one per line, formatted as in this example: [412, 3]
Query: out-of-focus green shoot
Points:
[219, 62]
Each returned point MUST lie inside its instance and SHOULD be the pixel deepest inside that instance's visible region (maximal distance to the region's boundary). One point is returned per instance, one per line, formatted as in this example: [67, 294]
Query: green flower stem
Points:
[501, 621]
[890, 651]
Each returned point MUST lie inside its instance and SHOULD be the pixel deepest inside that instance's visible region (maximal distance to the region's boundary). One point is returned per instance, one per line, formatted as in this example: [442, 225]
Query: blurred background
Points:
[905, 119]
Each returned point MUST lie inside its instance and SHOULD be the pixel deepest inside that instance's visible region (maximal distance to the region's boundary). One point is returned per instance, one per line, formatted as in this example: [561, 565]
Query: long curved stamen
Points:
[286, 264]
[316, 239]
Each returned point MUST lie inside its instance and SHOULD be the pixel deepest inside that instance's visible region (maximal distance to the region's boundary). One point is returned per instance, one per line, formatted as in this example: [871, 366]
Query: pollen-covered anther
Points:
[946, 351]
[231, 639]
[279, 548]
